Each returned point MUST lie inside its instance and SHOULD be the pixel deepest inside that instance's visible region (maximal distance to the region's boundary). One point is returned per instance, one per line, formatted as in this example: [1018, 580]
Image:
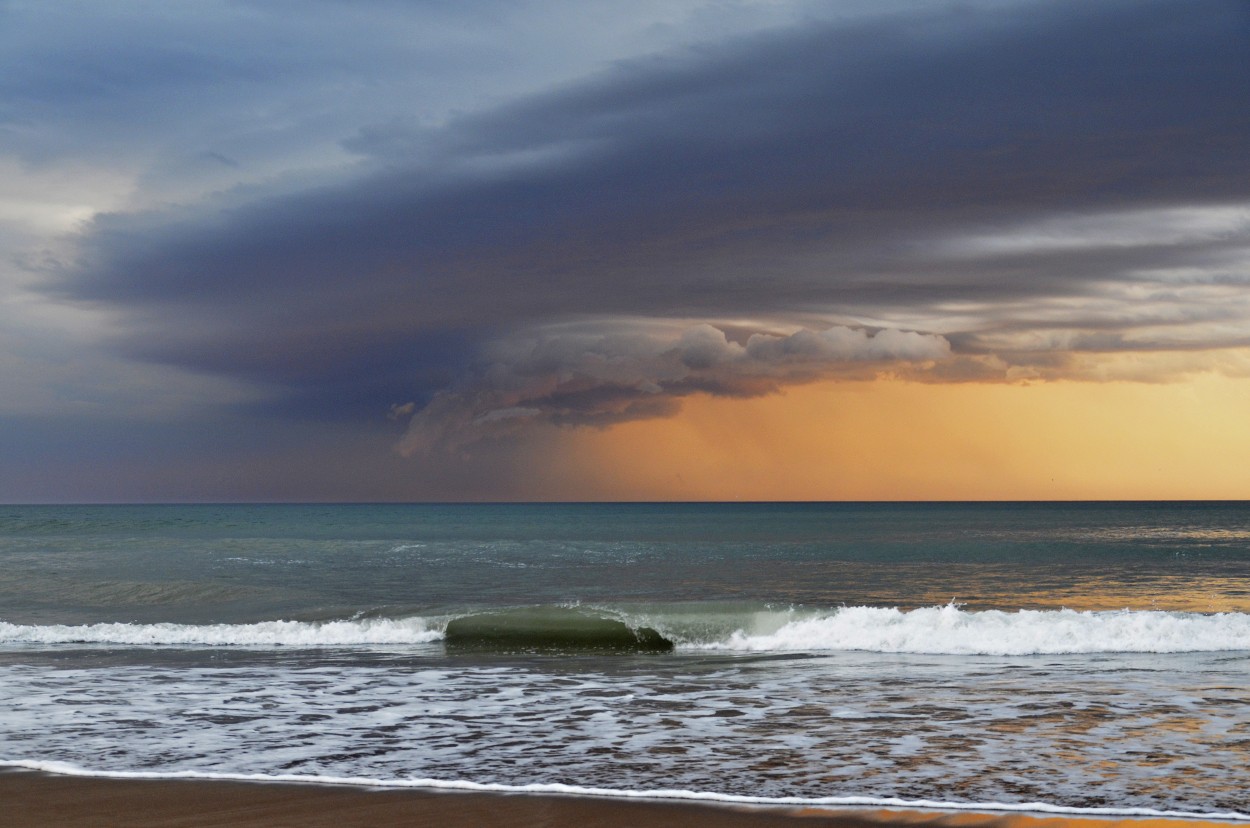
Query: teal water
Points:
[249, 563]
[1069, 655]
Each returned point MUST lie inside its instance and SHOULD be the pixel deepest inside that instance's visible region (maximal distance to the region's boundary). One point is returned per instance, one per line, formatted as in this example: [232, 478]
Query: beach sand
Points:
[33, 800]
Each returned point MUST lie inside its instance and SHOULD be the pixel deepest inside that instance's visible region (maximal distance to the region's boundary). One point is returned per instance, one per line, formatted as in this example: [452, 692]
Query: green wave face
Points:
[547, 629]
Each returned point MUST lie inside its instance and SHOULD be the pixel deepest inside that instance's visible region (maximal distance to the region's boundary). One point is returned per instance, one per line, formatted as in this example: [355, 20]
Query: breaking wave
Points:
[551, 628]
[942, 630]
[949, 630]
[308, 634]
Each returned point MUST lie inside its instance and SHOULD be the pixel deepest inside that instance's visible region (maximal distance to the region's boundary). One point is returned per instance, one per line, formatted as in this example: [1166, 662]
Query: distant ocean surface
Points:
[1040, 656]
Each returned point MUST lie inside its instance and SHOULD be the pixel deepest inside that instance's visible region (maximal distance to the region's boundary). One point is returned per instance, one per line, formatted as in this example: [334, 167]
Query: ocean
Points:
[1055, 657]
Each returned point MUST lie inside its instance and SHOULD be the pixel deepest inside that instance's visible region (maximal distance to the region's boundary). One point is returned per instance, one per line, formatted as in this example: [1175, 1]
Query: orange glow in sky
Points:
[899, 440]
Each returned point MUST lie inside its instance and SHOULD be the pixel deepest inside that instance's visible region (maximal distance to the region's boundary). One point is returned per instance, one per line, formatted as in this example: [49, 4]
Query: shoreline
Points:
[39, 799]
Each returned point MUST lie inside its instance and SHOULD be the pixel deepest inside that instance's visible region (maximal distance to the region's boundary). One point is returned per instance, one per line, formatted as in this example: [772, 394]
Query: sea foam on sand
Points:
[44, 800]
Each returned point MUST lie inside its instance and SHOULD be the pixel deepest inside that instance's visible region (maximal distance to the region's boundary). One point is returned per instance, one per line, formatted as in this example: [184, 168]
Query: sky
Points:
[266, 250]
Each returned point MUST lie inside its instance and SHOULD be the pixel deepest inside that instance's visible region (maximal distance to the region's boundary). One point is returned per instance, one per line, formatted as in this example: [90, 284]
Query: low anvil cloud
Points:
[590, 377]
[985, 192]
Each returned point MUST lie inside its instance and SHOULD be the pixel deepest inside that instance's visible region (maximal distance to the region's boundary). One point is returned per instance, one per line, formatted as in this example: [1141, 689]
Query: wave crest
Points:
[947, 630]
[344, 633]
[950, 630]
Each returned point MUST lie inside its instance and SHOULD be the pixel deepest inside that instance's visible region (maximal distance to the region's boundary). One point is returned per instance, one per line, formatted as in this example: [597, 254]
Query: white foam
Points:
[263, 634]
[67, 769]
[950, 630]
[946, 630]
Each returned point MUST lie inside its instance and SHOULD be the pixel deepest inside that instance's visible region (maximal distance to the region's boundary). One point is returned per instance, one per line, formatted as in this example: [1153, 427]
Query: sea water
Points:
[1069, 657]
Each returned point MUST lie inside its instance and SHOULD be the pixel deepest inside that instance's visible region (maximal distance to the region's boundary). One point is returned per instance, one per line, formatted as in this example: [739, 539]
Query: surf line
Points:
[66, 769]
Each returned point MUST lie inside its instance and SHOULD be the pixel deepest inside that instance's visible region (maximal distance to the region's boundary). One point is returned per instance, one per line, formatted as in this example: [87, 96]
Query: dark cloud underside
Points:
[815, 169]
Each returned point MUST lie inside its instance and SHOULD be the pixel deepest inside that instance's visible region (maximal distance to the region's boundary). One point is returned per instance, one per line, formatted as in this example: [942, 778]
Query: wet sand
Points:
[33, 800]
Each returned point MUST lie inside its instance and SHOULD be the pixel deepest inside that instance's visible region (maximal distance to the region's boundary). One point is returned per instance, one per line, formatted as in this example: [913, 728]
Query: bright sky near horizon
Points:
[690, 249]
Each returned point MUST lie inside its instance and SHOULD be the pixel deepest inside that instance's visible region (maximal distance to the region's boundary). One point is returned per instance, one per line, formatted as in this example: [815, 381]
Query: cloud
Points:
[568, 376]
[992, 181]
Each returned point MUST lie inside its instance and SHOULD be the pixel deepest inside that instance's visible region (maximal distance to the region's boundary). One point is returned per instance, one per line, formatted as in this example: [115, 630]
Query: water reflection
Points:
[1005, 587]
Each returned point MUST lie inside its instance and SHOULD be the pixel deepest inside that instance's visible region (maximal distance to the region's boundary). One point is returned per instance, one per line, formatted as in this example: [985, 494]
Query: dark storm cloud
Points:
[586, 375]
[823, 169]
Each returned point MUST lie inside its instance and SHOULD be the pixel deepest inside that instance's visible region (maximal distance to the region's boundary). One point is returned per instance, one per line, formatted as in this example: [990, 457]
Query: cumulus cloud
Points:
[586, 377]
